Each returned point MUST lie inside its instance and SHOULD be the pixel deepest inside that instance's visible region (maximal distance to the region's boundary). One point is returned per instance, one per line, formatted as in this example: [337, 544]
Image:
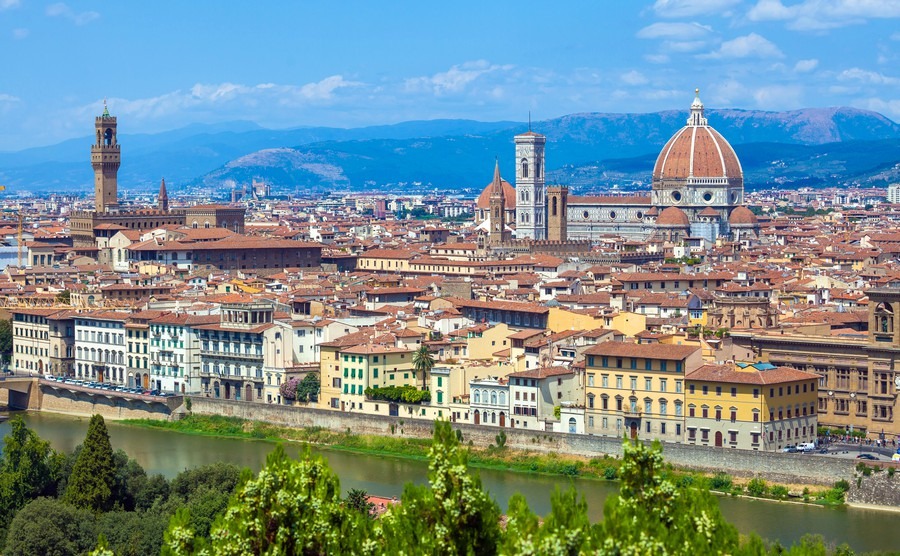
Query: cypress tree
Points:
[90, 484]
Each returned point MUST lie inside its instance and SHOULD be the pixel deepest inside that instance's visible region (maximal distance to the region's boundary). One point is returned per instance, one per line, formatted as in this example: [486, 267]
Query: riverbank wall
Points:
[775, 467]
[35, 394]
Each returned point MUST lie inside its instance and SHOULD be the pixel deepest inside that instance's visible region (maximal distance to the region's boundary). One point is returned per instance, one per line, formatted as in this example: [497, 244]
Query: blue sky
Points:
[163, 65]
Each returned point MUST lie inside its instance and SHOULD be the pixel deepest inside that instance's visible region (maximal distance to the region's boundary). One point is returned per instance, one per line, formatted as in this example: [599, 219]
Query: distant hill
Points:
[812, 146]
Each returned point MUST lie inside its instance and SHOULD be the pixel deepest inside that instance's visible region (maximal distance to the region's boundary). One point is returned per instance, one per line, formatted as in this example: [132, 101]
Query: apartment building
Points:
[751, 407]
[43, 341]
[100, 347]
[637, 389]
[535, 394]
[175, 360]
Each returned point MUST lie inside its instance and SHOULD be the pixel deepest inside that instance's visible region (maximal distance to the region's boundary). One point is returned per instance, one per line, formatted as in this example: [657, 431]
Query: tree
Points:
[27, 470]
[288, 389]
[358, 500]
[451, 515]
[308, 389]
[64, 297]
[6, 339]
[566, 530]
[51, 528]
[652, 516]
[90, 485]
[133, 533]
[291, 507]
[423, 362]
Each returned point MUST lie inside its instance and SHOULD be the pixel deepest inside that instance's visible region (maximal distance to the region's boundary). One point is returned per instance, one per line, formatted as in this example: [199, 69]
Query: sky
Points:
[163, 64]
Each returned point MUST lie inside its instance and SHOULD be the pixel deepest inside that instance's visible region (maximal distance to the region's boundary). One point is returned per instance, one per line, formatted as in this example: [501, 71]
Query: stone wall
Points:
[112, 407]
[782, 468]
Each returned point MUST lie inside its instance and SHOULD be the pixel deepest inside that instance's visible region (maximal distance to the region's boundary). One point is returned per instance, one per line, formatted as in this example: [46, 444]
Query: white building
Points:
[893, 195]
[100, 347]
[175, 352]
[489, 401]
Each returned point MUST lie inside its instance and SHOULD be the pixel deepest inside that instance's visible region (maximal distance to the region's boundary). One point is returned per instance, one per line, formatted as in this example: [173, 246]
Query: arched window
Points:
[494, 398]
[553, 208]
[477, 396]
[502, 398]
[524, 168]
[538, 169]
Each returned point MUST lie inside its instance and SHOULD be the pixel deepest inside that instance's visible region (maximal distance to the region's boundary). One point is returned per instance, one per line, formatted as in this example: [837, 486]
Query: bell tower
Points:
[557, 217]
[531, 202]
[105, 159]
[498, 233]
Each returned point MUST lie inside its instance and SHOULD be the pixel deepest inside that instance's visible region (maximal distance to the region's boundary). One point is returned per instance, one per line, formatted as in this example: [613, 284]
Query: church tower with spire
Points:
[531, 198]
[162, 201]
[498, 233]
[105, 159]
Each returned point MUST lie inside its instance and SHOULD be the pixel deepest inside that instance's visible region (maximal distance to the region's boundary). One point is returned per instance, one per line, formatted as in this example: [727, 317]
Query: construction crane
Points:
[19, 239]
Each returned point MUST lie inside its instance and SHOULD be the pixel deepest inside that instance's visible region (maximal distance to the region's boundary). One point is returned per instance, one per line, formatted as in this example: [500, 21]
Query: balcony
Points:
[228, 354]
[632, 413]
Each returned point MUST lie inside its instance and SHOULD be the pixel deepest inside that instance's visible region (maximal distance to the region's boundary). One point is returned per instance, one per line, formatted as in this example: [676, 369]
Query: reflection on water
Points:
[168, 453]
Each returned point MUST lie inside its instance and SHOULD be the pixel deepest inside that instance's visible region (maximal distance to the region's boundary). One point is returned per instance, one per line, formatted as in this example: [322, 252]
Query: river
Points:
[167, 452]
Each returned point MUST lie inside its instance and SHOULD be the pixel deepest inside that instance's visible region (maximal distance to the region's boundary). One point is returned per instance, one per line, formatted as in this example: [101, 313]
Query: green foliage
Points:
[404, 394]
[891, 471]
[610, 473]
[566, 530]
[51, 528]
[864, 469]
[501, 440]
[452, 515]
[27, 469]
[653, 516]
[779, 491]
[6, 342]
[93, 477]
[757, 487]
[557, 411]
[423, 361]
[188, 404]
[358, 500]
[312, 518]
[832, 496]
[842, 485]
[721, 482]
[308, 389]
[133, 533]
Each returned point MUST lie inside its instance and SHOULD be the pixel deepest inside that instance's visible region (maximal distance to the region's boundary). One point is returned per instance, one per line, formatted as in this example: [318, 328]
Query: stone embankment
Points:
[879, 488]
[775, 467]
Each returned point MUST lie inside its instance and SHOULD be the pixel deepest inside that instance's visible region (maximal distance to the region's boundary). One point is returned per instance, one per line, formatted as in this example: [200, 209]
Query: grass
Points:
[599, 468]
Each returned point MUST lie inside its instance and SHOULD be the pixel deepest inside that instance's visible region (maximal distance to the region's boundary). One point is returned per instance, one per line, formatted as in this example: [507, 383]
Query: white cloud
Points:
[60, 9]
[6, 98]
[682, 46]
[804, 66]
[866, 76]
[634, 77]
[817, 15]
[9, 4]
[889, 107]
[20, 33]
[657, 58]
[748, 46]
[688, 8]
[454, 80]
[779, 97]
[676, 31]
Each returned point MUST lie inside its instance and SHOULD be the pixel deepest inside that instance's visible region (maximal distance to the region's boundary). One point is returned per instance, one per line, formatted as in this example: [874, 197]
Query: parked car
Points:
[789, 449]
[806, 447]
[867, 456]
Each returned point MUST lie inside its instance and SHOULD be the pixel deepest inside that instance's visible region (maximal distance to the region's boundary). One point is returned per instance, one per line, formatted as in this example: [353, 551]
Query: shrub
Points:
[187, 404]
[405, 394]
[779, 491]
[757, 487]
[864, 469]
[610, 473]
[687, 480]
[721, 482]
[891, 471]
[737, 490]
[842, 485]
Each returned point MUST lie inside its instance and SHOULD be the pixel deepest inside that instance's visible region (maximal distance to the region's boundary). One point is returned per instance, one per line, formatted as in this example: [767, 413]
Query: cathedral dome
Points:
[697, 151]
[509, 196]
[673, 216]
[742, 216]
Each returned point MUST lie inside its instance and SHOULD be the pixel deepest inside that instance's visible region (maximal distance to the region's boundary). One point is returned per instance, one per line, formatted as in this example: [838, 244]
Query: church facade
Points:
[697, 192]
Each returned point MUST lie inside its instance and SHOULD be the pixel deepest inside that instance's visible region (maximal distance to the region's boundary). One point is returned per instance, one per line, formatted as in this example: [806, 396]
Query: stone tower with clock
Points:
[531, 192]
[105, 159]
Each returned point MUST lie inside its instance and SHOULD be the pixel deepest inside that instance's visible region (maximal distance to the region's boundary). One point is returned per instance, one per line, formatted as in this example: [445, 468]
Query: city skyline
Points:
[166, 66]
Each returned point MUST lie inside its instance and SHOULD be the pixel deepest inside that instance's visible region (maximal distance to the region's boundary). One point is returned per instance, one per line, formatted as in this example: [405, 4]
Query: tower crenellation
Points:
[106, 158]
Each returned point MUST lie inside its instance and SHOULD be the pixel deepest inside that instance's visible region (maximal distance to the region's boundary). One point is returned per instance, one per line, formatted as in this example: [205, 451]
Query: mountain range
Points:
[592, 151]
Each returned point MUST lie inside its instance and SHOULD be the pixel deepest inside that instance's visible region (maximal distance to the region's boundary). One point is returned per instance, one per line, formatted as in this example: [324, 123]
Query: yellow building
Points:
[483, 341]
[373, 366]
[755, 407]
[637, 389]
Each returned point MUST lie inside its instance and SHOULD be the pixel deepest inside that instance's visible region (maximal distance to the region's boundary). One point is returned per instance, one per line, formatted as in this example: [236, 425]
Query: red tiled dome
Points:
[509, 196]
[742, 215]
[673, 216]
[697, 151]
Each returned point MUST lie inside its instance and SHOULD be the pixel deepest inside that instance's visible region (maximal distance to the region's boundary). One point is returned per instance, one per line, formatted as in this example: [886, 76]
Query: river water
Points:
[167, 452]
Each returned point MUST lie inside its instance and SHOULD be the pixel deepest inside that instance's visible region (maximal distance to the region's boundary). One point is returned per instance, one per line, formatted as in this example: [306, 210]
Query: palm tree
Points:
[423, 362]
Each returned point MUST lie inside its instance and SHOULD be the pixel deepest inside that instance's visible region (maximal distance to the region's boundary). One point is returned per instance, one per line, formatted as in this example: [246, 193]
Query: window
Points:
[634, 383]
[678, 387]
[692, 433]
[718, 414]
[678, 409]
[662, 385]
[663, 407]
[590, 400]
[648, 406]
[648, 384]
[619, 382]
[604, 381]
[691, 410]
[704, 435]
[691, 388]
[705, 390]
[756, 393]
[733, 415]
[590, 379]
[733, 392]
